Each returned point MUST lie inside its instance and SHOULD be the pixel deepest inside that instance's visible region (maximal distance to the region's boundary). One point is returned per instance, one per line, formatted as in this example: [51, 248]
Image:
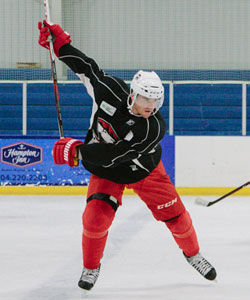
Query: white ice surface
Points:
[40, 252]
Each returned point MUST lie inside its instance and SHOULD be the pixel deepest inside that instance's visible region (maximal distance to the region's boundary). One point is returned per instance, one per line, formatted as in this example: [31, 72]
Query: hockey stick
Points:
[55, 84]
[204, 202]
[54, 74]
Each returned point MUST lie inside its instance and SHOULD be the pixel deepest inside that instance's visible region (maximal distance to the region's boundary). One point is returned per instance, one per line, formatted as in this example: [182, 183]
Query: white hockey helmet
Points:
[147, 84]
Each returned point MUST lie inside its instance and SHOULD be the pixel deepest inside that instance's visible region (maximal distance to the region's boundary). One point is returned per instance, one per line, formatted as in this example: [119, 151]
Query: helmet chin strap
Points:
[130, 103]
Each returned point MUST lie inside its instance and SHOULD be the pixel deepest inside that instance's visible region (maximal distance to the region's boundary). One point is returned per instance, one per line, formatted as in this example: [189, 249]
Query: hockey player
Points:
[122, 149]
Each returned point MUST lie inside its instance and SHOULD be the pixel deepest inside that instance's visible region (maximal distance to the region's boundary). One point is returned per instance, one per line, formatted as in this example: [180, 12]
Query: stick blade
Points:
[201, 201]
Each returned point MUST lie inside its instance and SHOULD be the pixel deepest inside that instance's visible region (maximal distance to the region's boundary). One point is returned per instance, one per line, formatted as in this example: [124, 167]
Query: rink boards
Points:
[196, 165]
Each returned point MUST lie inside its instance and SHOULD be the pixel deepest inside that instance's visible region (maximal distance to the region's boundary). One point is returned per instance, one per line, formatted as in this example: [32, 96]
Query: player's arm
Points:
[84, 67]
[107, 154]
[132, 147]
[69, 151]
[142, 140]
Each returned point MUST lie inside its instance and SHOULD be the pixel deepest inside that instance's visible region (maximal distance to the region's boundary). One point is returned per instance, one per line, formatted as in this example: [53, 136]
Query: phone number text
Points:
[24, 177]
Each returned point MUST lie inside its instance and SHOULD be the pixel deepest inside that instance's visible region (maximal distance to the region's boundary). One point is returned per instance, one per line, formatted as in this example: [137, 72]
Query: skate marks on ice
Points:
[42, 242]
[39, 239]
[41, 252]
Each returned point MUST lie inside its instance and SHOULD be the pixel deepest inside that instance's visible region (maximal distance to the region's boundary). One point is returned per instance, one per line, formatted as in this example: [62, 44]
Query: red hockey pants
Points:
[159, 194]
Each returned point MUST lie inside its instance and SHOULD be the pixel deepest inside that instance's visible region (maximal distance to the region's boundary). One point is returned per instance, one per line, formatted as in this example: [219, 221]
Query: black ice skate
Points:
[202, 266]
[88, 278]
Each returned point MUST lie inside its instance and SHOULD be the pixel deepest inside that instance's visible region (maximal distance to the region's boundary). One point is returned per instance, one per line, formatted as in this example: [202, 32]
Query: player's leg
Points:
[161, 197]
[97, 218]
[185, 236]
[184, 233]
[103, 199]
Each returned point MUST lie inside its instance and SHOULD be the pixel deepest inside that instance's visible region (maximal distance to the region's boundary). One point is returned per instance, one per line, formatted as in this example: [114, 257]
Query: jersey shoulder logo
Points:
[130, 122]
[107, 108]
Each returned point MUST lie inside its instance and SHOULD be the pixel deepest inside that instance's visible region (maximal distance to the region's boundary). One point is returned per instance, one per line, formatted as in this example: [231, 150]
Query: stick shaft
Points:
[46, 10]
[228, 194]
[54, 74]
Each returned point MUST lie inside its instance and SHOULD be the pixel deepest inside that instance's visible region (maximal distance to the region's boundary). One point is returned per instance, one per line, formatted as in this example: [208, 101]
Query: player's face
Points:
[144, 106]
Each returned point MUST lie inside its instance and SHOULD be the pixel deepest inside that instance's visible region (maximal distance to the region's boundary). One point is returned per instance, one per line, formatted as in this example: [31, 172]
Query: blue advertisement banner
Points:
[28, 161]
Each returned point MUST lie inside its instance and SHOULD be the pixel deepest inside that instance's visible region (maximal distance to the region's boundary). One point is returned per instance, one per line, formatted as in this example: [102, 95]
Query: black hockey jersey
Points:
[119, 146]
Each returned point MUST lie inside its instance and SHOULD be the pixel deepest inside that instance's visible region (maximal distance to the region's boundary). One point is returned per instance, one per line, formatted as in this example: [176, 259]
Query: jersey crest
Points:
[106, 132]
